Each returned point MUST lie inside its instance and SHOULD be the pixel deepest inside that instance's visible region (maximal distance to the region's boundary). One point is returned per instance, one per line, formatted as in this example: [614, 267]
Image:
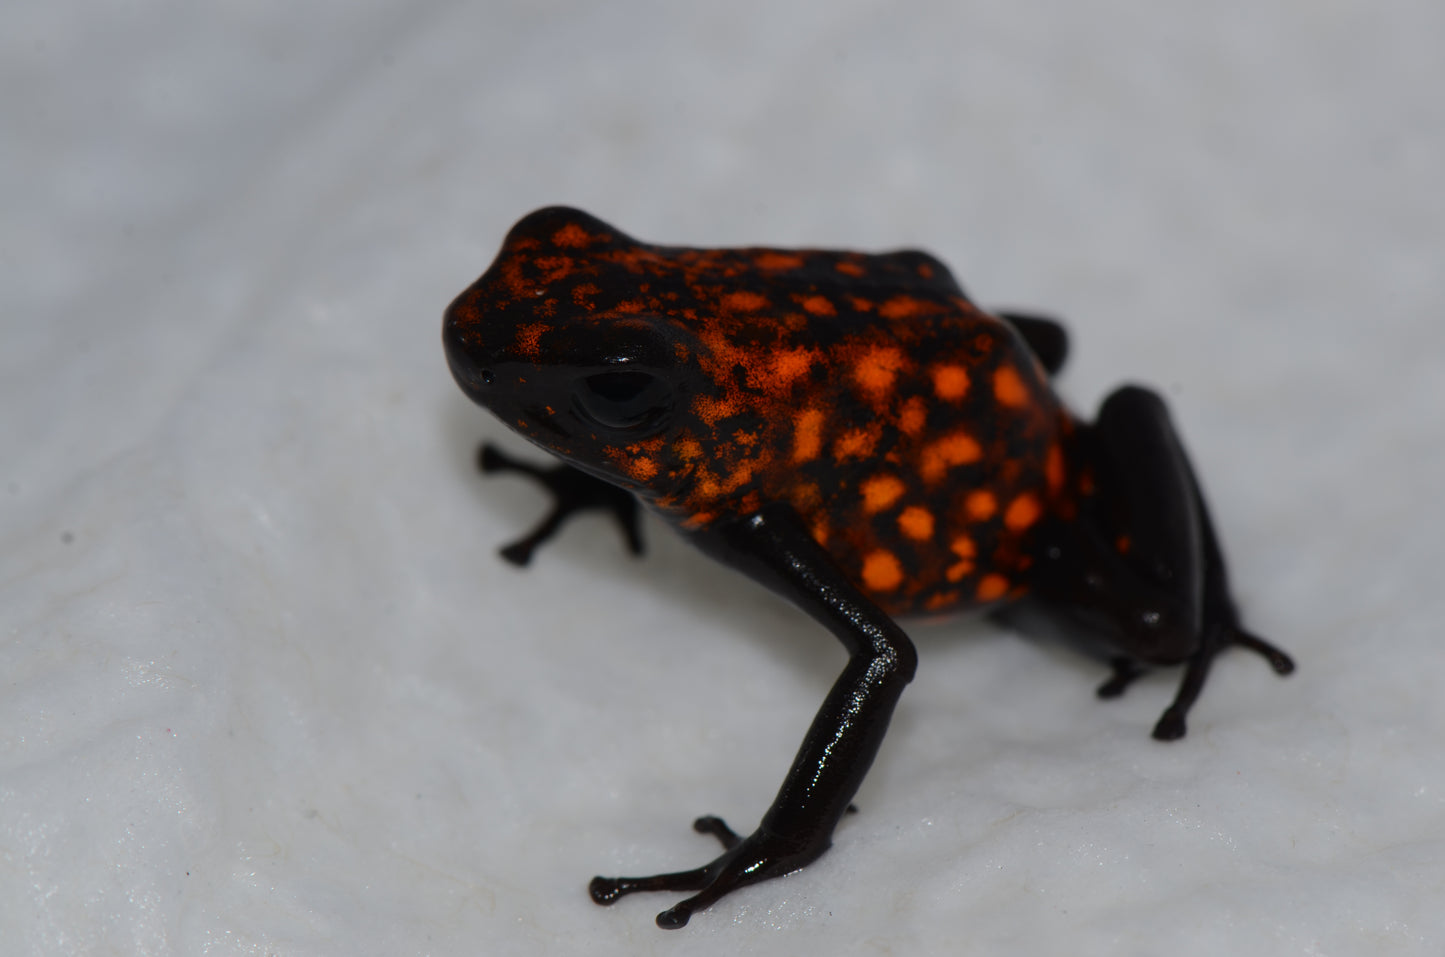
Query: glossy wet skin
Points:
[854, 433]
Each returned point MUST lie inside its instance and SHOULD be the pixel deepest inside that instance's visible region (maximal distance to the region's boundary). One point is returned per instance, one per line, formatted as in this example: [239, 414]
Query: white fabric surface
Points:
[266, 689]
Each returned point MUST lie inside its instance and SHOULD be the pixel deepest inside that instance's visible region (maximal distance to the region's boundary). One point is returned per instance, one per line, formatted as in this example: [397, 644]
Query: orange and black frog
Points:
[851, 431]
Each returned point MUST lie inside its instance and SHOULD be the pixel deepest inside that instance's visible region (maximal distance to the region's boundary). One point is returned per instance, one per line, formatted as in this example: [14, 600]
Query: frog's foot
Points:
[1171, 725]
[744, 861]
[572, 491]
[1126, 671]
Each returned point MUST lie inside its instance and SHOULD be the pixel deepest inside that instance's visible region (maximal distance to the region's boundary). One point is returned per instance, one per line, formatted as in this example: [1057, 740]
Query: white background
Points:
[266, 689]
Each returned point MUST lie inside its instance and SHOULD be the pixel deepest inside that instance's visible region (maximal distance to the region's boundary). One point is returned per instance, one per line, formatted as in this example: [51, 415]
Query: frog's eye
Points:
[623, 400]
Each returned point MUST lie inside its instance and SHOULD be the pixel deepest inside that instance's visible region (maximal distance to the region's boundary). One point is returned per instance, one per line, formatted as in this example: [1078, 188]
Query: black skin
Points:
[1165, 600]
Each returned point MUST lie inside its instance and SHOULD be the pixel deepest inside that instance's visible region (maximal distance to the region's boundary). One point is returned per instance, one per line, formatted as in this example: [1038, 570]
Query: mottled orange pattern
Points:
[915, 434]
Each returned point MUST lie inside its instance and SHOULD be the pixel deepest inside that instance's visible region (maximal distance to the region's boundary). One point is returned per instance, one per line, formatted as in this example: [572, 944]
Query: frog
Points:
[852, 432]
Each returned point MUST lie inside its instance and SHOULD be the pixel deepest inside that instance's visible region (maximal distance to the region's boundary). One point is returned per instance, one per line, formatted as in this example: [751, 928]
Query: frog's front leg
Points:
[773, 547]
[572, 491]
[1046, 338]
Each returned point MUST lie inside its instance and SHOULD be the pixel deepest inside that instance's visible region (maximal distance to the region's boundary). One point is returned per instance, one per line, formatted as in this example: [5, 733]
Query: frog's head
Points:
[556, 340]
[675, 372]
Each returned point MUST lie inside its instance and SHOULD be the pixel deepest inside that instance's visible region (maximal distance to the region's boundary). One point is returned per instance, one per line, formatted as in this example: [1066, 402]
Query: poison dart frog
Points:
[852, 432]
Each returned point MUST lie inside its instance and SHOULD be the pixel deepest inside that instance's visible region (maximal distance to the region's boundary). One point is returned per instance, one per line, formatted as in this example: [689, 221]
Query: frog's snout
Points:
[466, 357]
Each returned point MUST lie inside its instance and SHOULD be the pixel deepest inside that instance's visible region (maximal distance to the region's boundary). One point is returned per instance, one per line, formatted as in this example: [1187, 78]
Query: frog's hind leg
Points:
[1046, 338]
[1172, 543]
[572, 491]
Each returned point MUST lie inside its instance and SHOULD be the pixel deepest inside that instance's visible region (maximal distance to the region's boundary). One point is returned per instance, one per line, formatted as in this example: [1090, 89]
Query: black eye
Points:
[623, 400]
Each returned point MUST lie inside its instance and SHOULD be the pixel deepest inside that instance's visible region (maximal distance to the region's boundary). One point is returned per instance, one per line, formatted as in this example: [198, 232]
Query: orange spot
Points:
[955, 449]
[642, 468]
[688, 449]
[807, 435]
[876, 371]
[582, 294]
[805, 496]
[963, 547]
[1008, 388]
[789, 365]
[860, 304]
[630, 306]
[710, 409]
[880, 492]
[1022, 512]
[517, 284]
[855, 443]
[912, 416]
[992, 587]
[950, 383]
[941, 600]
[1122, 544]
[742, 473]
[925, 270]
[529, 338]
[773, 259]
[901, 307]
[708, 488]
[553, 268]
[881, 571]
[744, 300]
[849, 268]
[571, 236]
[819, 306]
[980, 505]
[916, 523]
[1054, 468]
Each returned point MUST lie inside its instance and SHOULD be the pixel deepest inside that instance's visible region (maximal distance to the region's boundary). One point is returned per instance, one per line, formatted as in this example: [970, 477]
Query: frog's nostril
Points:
[475, 378]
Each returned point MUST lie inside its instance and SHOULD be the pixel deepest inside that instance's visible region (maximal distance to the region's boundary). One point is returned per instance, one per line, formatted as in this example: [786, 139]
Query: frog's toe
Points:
[607, 890]
[520, 552]
[1282, 663]
[744, 860]
[1171, 725]
[718, 828]
[1126, 671]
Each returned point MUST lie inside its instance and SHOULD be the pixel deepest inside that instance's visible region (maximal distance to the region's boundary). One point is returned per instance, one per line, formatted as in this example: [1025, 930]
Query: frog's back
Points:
[935, 449]
[915, 434]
